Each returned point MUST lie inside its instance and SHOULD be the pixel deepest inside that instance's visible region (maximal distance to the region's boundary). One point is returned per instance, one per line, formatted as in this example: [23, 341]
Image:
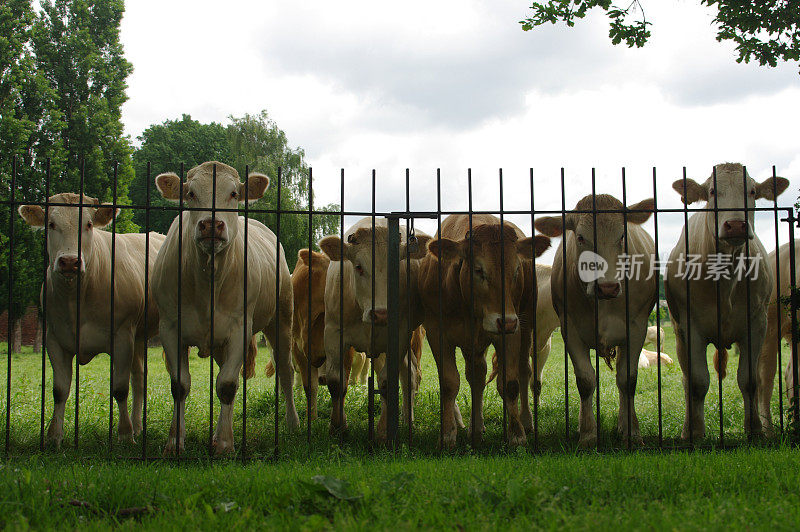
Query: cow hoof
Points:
[449, 440]
[126, 438]
[54, 442]
[171, 449]
[292, 421]
[696, 436]
[223, 448]
[587, 441]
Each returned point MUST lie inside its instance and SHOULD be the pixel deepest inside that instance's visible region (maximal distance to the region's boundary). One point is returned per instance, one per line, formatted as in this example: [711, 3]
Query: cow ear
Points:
[302, 256]
[771, 188]
[446, 249]
[332, 246]
[33, 215]
[533, 246]
[694, 191]
[103, 215]
[554, 226]
[256, 186]
[645, 208]
[169, 184]
[422, 246]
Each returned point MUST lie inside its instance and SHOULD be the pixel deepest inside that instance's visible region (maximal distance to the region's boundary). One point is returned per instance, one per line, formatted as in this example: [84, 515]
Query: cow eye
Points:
[581, 240]
[479, 272]
[359, 269]
[88, 225]
[711, 192]
[234, 195]
[190, 195]
[51, 225]
[753, 192]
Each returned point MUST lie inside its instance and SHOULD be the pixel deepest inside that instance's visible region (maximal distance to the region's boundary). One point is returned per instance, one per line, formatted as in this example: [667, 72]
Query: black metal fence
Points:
[400, 319]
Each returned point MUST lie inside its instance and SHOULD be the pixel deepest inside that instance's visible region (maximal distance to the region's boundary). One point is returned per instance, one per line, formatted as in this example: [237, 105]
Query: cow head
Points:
[732, 190]
[311, 269]
[610, 243]
[357, 248]
[64, 223]
[495, 263]
[212, 234]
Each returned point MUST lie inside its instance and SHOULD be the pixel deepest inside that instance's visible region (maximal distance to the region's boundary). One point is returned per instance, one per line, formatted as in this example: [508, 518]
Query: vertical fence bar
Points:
[308, 310]
[658, 312]
[371, 383]
[245, 339]
[46, 261]
[629, 354]
[535, 342]
[10, 300]
[503, 311]
[596, 302]
[342, 383]
[409, 355]
[393, 332]
[750, 357]
[277, 347]
[81, 201]
[564, 311]
[146, 308]
[793, 308]
[212, 259]
[112, 328]
[719, 346]
[179, 333]
[472, 352]
[441, 321]
[688, 338]
[778, 304]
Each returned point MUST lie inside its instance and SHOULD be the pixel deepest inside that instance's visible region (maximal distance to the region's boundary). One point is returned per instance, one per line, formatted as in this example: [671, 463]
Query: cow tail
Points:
[495, 369]
[721, 362]
[249, 370]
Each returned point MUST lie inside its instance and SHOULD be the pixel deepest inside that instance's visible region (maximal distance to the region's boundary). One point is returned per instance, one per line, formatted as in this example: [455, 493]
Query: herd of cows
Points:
[472, 285]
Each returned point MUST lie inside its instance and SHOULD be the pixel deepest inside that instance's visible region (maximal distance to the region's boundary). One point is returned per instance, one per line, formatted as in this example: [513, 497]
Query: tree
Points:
[28, 121]
[252, 141]
[766, 30]
[77, 48]
[165, 146]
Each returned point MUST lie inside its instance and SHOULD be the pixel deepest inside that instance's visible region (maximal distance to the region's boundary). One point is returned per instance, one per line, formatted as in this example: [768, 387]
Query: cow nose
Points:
[210, 228]
[69, 264]
[608, 290]
[379, 316]
[735, 229]
[507, 326]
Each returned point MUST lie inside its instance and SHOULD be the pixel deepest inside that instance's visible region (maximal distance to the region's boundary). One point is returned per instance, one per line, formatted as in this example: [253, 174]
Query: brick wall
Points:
[29, 326]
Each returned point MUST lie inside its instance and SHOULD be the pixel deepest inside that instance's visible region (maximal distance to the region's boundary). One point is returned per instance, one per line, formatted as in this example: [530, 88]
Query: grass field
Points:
[548, 484]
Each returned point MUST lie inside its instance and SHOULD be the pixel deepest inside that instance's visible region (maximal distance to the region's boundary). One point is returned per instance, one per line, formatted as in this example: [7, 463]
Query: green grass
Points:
[548, 484]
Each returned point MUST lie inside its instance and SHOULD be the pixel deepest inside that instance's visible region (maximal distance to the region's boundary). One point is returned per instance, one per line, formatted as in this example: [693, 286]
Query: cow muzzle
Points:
[608, 290]
[69, 265]
[735, 232]
[379, 316]
[211, 233]
[497, 324]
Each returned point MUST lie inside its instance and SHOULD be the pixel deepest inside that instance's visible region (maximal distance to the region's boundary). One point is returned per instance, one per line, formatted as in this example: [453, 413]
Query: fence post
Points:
[393, 332]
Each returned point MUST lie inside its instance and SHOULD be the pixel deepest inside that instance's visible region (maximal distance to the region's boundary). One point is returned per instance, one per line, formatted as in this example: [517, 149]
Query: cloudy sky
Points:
[457, 85]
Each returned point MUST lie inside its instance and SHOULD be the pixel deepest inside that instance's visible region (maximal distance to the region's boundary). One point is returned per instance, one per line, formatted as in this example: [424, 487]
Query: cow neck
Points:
[203, 262]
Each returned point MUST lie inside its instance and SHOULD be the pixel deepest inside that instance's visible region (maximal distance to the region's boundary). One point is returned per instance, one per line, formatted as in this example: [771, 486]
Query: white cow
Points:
[93, 265]
[220, 239]
[354, 326]
[695, 319]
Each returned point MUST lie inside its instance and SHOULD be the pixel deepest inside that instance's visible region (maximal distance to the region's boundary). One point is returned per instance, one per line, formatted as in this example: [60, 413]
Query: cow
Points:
[490, 267]
[546, 323]
[212, 255]
[603, 243]
[729, 234]
[364, 311]
[92, 264]
[648, 359]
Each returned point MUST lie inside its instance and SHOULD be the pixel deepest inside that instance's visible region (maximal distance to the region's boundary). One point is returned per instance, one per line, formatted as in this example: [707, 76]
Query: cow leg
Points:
[362, 378]
[227, 385]
[61, 362]
[179, 385]
[626, 384]
[283, 366]
[358, 360]
[526, 418]
[337, 366]
[541, 358]
[408, 379]
[509, 390]
[585, 379]
[747, 376]
[444, 355]
[475, 369]
[137, 383]
[310, 382]
[123, 355]
[767, 367]
[698, 385]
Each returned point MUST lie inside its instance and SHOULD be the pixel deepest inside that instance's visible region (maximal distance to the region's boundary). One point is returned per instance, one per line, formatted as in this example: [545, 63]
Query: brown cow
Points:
[489, 323]
[584, 282]
[93, 264]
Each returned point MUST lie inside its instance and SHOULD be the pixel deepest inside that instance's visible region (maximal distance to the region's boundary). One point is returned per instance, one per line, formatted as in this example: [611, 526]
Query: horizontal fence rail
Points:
[366, 300]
